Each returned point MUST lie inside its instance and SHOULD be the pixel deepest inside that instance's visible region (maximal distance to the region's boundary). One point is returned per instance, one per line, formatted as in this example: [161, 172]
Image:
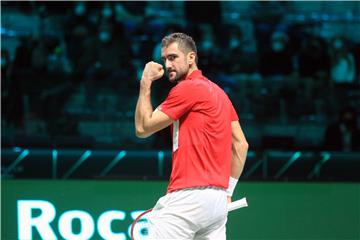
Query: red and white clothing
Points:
[201, 133]
[195, 206]
[192, 213]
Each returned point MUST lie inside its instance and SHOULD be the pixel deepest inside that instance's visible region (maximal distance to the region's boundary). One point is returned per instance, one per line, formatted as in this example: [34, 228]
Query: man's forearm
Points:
[144, 107]
[148, 122]
[239, 153]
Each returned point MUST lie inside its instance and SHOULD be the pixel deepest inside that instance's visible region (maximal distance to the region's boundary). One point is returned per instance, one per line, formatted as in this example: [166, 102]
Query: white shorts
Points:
[193, 213]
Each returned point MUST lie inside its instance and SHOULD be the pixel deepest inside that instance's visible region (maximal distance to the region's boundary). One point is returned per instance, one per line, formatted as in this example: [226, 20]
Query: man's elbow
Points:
[244, 145]
[141, 133]
[241, 145]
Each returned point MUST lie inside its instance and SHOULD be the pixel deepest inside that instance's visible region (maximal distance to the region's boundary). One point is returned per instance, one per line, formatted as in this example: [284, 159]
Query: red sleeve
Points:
[179, 101]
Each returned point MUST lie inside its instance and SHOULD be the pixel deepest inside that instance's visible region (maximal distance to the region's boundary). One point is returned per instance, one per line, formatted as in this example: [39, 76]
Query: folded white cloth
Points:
[237, 204]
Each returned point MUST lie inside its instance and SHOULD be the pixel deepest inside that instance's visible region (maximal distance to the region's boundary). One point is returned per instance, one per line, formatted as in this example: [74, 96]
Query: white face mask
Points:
[277, 46]
[107, 12]
[234, 43]
[338, 44]
[207, 44]
[80, 9]
[104, 36]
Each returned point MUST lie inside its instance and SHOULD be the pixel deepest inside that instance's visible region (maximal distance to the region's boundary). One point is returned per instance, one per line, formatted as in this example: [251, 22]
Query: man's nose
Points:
[167, 64]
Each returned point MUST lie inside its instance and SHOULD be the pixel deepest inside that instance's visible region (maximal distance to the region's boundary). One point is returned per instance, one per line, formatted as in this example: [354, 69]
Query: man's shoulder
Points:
[182, 88]
[196, 85]
[186, 84]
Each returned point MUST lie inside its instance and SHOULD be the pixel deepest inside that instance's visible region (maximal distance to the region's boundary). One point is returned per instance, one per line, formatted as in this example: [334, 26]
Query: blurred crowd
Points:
[284, 72]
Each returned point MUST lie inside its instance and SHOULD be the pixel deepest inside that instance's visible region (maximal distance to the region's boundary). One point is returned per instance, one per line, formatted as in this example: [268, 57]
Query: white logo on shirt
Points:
[175, 135]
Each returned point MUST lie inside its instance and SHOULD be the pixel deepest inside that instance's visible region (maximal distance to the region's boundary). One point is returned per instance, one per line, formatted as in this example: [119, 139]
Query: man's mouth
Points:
[172, 73]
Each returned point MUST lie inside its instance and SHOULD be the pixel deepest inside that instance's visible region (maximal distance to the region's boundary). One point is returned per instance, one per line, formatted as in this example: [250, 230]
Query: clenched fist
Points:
[153, 71]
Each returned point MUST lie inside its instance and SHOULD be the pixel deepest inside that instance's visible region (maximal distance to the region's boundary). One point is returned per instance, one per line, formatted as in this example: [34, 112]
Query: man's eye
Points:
[171, 58]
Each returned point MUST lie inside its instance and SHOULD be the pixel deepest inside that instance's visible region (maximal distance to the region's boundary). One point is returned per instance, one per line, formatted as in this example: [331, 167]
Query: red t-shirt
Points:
[201, 133]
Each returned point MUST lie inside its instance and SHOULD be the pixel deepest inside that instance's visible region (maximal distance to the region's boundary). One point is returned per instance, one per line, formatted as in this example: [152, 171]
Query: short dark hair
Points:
[185, 42]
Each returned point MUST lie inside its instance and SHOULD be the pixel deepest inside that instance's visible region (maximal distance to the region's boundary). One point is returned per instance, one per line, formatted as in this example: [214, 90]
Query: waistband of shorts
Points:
[200, 188]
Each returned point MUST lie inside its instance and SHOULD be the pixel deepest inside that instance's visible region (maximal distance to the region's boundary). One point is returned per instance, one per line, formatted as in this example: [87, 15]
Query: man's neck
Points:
[191, 70]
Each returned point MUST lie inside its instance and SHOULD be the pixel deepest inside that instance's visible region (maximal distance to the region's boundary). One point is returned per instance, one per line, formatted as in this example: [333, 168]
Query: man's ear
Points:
[191, 58]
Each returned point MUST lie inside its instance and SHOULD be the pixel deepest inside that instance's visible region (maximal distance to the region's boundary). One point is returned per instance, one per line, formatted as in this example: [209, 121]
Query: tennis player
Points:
[208, 145]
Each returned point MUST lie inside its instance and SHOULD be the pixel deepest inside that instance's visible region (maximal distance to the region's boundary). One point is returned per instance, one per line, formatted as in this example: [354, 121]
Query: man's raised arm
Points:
[148, 121]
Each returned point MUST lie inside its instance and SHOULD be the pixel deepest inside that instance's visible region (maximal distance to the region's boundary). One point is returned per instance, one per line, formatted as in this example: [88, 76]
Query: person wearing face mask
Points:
[106, 60]
[107, 11]
[79, 29]
[207, 46]
[5, 81]
[234, 51]
[237, 57]
[104, 36]
[108, 48]
[80, 8]
[343, 68]
[343, 135]
[277, 60]
[5, 62]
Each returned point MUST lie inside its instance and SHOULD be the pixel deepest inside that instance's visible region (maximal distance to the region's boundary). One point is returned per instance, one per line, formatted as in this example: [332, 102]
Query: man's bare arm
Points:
[239, 150]
[148, 121]
[239, 153]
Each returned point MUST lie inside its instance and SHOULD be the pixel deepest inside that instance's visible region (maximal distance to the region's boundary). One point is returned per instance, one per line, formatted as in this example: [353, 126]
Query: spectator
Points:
[342, 62]
[208, 47]
[314, 60]
[236, 59]
[38, 80]
[19, 75]
[5, 68]
[78, 28]
[267, 16]
[314, 68]
[5, 83]
[57, 88]
[343, 135]
[277, 60]
[357, 62]
[106, 58]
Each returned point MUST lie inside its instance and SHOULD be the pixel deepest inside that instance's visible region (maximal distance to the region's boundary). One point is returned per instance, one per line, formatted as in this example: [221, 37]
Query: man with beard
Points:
[209, 147]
